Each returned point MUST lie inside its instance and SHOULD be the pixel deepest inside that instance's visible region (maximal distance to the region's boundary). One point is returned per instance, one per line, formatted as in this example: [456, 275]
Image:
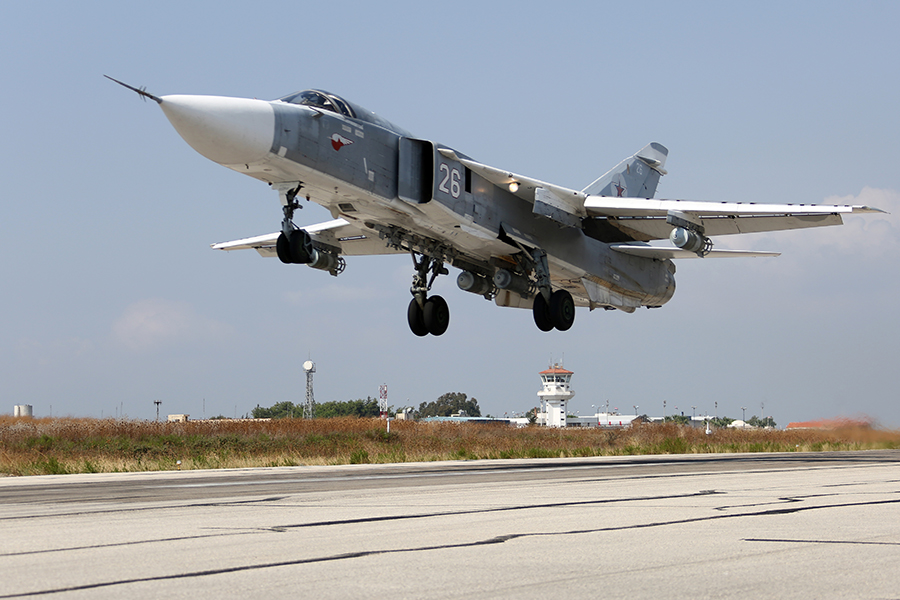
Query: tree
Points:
[351, 408]
[755, 421]
[448, 404]
[678, 419]
[721, 422]
[277, 411]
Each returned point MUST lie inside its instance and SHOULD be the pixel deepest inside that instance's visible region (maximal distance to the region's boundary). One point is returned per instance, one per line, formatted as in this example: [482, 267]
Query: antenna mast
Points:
[309, 409]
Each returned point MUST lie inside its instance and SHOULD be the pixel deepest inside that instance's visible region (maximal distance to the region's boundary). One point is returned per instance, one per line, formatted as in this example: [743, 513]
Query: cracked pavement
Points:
[699, 526]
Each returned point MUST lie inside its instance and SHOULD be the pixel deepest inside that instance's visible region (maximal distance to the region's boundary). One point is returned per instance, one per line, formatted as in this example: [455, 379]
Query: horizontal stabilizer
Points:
[677, 253]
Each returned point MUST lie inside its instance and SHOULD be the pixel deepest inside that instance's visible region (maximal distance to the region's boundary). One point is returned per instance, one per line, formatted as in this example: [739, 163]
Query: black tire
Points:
[562, 310]
[301, 247]
[541, 312]
[283, 249]
[436, 315]
[415, 318]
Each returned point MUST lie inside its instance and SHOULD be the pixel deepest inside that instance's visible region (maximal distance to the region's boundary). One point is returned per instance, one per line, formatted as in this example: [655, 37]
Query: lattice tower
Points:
[309, 408]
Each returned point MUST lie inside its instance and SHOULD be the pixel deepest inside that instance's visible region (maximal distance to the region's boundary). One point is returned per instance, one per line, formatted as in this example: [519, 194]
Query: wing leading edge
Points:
[645, 218]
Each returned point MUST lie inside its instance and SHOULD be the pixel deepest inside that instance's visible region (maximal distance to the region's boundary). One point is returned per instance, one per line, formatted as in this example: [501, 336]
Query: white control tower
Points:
[554, 395]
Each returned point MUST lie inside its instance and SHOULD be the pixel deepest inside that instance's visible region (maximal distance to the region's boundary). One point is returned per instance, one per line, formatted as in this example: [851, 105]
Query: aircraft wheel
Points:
[416, 319]
[301, 247]
[283, 249]
[562, 310]
[436, 315]
[541, 312]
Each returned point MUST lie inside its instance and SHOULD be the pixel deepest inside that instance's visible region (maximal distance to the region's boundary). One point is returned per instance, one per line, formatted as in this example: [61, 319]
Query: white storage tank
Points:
[23, 410]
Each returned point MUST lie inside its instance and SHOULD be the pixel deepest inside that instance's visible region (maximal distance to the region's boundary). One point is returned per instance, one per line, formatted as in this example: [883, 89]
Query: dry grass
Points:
[45, 446]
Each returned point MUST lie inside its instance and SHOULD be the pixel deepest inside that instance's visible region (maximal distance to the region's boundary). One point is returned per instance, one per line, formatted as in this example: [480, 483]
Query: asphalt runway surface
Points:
[818, 525]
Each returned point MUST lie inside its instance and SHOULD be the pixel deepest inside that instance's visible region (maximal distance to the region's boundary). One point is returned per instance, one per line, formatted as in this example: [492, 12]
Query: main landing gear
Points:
[556, 309]
[530, 276]
[427, 315]
[559, 312]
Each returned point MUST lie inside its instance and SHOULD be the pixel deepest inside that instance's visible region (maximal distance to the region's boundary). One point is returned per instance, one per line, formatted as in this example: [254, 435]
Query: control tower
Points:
[554, 395]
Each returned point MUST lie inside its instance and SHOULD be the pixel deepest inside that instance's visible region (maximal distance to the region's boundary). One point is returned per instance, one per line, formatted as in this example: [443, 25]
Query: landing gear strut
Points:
[427, 315]
[294, 246]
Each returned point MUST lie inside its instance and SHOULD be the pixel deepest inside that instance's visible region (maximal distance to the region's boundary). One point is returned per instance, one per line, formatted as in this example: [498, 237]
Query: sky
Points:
[112, 298]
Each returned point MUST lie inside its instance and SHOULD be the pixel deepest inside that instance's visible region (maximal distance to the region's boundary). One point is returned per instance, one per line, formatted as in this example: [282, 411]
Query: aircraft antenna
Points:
[141, 91]
[309, 408]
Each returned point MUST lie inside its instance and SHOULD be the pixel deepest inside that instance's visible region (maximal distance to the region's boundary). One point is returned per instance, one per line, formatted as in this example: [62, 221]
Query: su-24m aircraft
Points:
[517, 241]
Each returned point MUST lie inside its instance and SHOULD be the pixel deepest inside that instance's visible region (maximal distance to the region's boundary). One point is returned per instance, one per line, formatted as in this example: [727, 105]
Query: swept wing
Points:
[645, 218]
[339, 235]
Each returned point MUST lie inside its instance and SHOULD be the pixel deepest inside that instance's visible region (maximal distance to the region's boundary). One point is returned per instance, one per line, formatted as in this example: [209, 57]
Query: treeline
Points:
[753, 421]
[326, 410]
[448, 404]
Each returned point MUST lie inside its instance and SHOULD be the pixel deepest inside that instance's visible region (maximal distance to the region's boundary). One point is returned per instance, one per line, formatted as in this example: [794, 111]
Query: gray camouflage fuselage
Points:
[367, 171]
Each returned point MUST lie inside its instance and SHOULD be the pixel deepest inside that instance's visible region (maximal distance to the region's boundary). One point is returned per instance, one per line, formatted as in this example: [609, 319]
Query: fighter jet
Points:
[516, 241]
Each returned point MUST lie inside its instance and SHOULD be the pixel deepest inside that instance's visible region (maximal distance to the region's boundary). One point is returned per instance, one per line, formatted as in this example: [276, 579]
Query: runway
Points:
[698, 526]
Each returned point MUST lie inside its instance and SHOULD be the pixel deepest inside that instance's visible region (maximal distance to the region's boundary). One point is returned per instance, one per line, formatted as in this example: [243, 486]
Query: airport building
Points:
[555, 393]
[554, 396]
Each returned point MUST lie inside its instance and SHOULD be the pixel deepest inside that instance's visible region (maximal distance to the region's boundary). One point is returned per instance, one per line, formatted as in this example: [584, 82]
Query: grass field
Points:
[59, 446]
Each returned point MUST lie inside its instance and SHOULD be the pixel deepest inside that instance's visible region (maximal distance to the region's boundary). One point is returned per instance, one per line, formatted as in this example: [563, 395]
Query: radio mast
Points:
[309, 409]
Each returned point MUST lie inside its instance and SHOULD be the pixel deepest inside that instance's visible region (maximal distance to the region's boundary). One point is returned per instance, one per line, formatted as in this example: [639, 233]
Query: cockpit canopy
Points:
[323, 100]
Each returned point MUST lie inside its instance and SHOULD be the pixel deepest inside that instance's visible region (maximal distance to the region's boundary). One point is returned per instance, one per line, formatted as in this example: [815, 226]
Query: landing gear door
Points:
[415, 177]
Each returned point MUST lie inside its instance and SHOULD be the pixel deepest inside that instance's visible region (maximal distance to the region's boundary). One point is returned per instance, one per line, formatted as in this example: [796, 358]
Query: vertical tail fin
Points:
[634, 177]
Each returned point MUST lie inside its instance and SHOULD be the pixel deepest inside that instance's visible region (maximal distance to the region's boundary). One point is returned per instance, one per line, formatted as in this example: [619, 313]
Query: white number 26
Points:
[452, 177]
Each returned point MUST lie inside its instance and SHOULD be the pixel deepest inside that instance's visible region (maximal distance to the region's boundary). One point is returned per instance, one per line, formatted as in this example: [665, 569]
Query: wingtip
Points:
[869, 209]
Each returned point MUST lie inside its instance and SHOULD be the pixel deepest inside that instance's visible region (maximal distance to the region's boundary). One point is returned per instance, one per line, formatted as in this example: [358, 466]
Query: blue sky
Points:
[112, 297]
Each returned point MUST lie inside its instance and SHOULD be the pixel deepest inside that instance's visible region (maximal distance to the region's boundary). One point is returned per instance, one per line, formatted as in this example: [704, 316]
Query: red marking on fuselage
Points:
[338, 141]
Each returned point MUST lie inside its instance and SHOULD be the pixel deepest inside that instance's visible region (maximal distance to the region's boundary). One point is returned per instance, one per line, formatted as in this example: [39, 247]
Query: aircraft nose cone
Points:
[229, 131]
